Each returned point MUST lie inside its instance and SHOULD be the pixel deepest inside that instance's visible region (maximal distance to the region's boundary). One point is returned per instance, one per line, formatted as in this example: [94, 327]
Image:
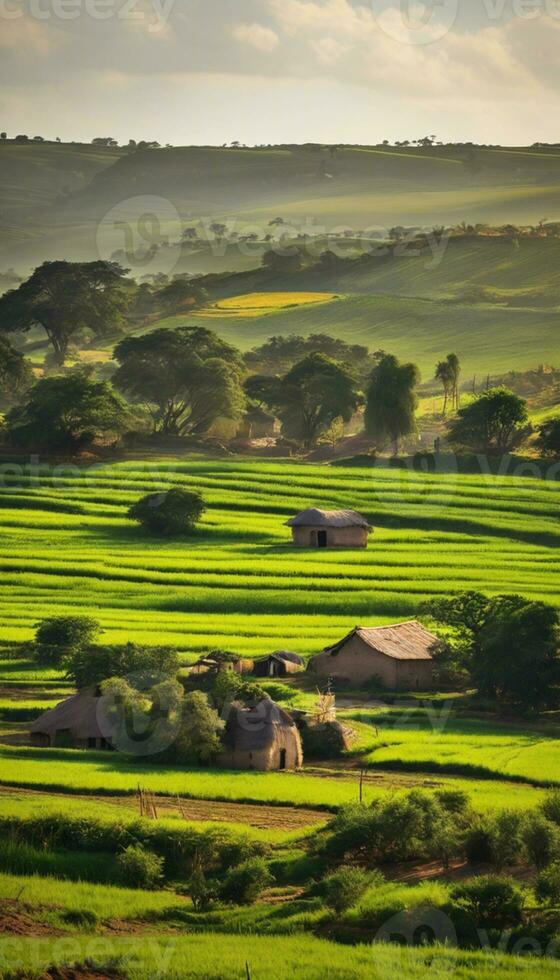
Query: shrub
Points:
[550, 806]
[246, 882]
[542, 840]
[171, 513]
[493, 902]
[497, 840]
[547, 888]
[139, 868]
[61, 636]
[478, 845]
[344, 888]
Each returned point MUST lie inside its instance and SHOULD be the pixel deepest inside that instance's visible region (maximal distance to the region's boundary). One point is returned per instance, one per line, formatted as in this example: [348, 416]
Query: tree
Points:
[448, 372]
[391, 401]
[344, 888]
[143, 667]
[181, 294]
[170, 513]
[201, 726]
[494, 423]
[508, 643]
[187, 378]
[65, 298]
[285, 261]
[66, 413]
[311, 396]
[279, 354]
[549, 438]
[16, 373]
[60, 637]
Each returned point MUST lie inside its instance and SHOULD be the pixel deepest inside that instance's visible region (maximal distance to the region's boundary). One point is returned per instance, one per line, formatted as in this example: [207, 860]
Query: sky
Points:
[276, 71]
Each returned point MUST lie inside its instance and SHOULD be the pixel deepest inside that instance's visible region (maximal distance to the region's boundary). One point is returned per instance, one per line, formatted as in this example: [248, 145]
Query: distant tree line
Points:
[181, 382]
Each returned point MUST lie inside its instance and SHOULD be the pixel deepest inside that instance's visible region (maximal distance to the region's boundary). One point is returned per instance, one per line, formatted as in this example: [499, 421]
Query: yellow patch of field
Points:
[261, 304]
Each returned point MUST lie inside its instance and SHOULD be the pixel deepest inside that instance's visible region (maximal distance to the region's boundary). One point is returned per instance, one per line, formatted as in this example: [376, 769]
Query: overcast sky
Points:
[265, 71]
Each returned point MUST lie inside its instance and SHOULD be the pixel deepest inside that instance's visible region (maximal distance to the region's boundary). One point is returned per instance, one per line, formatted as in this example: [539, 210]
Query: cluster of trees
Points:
[507, 646]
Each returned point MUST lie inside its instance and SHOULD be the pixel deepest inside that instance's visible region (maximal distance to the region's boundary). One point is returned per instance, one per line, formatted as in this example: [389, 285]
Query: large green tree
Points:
[187, 378]
[509, 644]
[64, 298]
[66, 413]
[143, 667]
[494, 423]
[16, 374]
[310, 396]
[391, 402]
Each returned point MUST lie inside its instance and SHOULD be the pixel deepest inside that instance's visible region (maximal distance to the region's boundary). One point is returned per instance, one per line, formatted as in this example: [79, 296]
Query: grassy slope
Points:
[308, 958]
[66, 544]
[361, 187]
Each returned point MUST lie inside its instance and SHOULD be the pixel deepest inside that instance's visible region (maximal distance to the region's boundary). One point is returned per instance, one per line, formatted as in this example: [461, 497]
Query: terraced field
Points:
[66, 545]
[261, 304]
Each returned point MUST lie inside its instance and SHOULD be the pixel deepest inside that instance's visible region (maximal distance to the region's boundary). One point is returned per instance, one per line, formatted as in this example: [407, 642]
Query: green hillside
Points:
[66, 545]
[357, 186]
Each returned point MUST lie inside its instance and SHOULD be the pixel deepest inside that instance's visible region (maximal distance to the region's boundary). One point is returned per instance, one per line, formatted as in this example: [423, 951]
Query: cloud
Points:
[257, 36]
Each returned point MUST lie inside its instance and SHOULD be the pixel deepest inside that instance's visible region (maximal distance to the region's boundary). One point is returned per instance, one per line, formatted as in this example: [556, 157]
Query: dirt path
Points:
[264, 817]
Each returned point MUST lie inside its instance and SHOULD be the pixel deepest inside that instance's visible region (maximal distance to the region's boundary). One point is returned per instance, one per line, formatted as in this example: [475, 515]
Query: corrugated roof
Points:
[403, 641]
[328, 518]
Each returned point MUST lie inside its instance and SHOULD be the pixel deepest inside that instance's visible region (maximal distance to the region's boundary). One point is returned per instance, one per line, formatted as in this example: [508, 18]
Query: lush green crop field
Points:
[438, 742]
[308, 958]
[69, 770]
[66, 545]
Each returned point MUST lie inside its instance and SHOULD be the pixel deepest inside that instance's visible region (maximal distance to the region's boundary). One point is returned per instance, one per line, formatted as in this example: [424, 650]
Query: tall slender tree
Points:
[391, 402]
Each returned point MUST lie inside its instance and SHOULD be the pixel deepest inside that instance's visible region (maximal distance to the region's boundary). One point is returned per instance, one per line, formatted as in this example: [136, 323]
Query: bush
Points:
[547, 888]
[550, 806]
[344, 888]
[169, 514]
[497, 840]
[61, 636]
[246, 882]
[139, 868]
[542, 840]
[492, 902]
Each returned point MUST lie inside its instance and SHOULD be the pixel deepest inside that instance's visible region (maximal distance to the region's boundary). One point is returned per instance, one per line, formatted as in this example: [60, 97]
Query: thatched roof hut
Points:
[399, 657]
[264, 737]
[214, 665]
[81, 721]
[330, 529]
[279, 664]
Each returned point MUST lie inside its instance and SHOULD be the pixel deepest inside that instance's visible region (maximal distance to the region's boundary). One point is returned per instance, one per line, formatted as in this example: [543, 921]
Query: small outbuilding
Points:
[215, 665]
[80, 722]
[330, 529]
[264, 737]
[399, 657]
[279, 664]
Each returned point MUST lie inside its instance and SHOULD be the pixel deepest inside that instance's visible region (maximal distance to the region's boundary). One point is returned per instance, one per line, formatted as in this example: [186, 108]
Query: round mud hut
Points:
[264, 737]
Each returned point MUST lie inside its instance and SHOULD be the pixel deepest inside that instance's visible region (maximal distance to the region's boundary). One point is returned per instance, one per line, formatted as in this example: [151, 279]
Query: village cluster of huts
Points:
[265, 736]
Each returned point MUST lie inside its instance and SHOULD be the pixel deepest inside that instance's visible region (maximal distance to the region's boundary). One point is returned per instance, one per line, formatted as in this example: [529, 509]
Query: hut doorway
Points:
[282, 759]
[320, 539]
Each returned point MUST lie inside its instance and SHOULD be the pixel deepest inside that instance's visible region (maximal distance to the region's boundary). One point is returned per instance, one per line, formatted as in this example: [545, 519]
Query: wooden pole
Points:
[362, 774]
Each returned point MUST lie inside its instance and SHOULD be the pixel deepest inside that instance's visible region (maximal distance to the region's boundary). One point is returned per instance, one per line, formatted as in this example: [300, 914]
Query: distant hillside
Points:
[52, 197]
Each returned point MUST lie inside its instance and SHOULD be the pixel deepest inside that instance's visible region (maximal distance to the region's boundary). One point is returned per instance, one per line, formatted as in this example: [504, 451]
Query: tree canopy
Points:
[509, 644]
[59, 637]
[494, 423]
[66, 413]
[187, 378]
[16, 374]
[172, 512]
[391, 401]
[142, 667]
[65, 298]
[549, 438]
[308, 398]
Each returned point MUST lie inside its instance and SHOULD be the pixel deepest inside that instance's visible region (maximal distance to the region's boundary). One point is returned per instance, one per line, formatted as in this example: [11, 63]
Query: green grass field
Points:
[66, 545]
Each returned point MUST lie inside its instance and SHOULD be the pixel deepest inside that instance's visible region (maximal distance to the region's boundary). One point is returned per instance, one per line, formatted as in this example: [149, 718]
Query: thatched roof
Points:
[254, 729]
[328, 518]
[404, 641]
[83, 715]
[292, 658]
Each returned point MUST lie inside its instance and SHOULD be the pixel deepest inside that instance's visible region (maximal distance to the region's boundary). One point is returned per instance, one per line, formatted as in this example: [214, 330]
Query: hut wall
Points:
[286, 740]
[415, 675]
[337, 537]
[357, 662]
